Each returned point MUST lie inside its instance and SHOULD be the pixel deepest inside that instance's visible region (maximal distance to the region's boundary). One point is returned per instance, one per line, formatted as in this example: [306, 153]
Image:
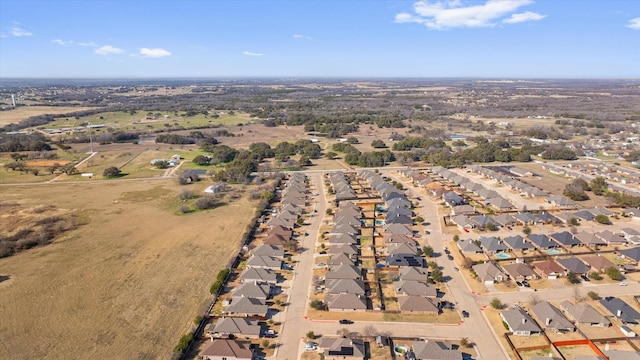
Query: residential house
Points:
[346, 239]
[347, 249]
[598, 263]
[344, 228]
[398, 229]
[520, 172]
[611, 239]
[520, 271]
[452, 199]
[397, 219]
[236, 327]
[413, 304]
[584, 215]
[632, 254]
[344, 271]
[468, 246]
[565, 239]
[517, 243]
[505, 220]
[525, 218]
[463, 210]
[549, 269]
[499, 203]
[435, 350]
[260, 276]
[621, 310]
[342, 348]
[402, 248]
[519, 322]
[546, 218]
[541, 241]
[492, 244]
[264, 262]
[411, 287]
[269, 250]
[397, 239]
[275, 239]
[585, 314]
[414, 273]
[226, 349]
[489, 272]
[346, 302]
[561, 201]
[247, 306]
[589, 239]
[551, 318]
[405, 260]
[574, 265]
[481, 221]
[345, 286]
[282, 231]
[339, 259]
[252, 290]
[463, 222]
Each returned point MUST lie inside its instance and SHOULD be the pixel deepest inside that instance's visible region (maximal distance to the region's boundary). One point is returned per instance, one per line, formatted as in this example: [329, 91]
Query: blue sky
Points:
[320, 38]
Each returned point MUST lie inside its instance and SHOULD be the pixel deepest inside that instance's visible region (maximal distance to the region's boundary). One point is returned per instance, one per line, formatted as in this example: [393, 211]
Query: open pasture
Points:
[127, 283]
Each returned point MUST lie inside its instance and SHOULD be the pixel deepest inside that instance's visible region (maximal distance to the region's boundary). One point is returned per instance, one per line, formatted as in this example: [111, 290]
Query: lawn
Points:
[126, 284]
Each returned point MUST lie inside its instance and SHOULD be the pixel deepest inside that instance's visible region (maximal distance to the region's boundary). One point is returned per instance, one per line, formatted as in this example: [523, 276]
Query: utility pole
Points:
[90, 137]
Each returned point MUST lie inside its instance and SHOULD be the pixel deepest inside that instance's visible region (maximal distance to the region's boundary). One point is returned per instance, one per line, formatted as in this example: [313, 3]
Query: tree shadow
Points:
[4, 278]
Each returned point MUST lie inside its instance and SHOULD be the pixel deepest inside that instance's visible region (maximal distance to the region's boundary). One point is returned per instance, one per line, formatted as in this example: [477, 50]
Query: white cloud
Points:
[108, 50]
[249, 53]
[62, 42]
[18, 31]
[302, 37]
[87, 44]
[447, 14]
[634, 24]
[522, 17]
[154, 53]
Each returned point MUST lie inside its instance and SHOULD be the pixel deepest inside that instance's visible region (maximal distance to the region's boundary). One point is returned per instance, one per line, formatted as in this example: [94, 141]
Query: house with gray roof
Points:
[435, 350]
[489, 272]
[346, 302]
[463, 210]
[411, 287]
[397, 239]
[412, 304]
[398, 229]
[492, 244]
[610, 238]
[347, 239]
[468, 246]
[499, 203]
[397, 219]
[520, 271]
[236, 326]
[541, 241]
[574, 265]
[349, 220]
[414, 273]
[252, 290]
[483, 220]
[345, 286]
[269, 250]
[402, 248]
[585, 314]
[342, 348]
[551, 318]
[600, 211]
[344, 229]
[264, 262]
[633, 253]
[517, 243]
[347, 249]
[505, 219]
[260, 276]
[589, 239]
[584, 215]
[247, 306]
[519, 322]
[621, 310]
[405, 260]
[561, 201]
[398, 210]
[463, 222]
[452, 199]
[565, 239]
[339, 259]
[546, 218]
[525, 218]
[344, 271]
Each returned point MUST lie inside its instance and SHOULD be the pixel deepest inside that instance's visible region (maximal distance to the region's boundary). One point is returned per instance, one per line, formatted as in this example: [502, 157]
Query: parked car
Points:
[456, 269]
[269, 334]
[518, 283]
[525, 283]
[585, 278]
[310, 346]
[622, 283]
[345, 322]
[465, 313]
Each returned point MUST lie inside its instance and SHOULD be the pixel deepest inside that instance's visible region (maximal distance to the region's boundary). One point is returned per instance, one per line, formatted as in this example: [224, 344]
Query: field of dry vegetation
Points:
[126, 284]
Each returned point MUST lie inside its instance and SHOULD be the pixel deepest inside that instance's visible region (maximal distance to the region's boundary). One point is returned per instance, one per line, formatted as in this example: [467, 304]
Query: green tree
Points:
[456, 238]
[613, 273]
[492, 227]
[436, 275]
[111, 172]
[311, 335]
[202, 160]
[316, 304]
[427, 251]
[593, 295]
[526, 230]
[599, 185]
[378, 144]
[602, 219]
[419, 219]
[330, 155]
[574, 221]
[595, 276]
[496, 304]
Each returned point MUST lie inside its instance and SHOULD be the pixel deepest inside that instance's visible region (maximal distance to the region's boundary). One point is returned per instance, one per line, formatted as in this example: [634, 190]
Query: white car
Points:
[622, 283]
[311, 346]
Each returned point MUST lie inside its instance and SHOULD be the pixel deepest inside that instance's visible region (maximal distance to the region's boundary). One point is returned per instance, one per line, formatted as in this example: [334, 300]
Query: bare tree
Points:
[370, 331]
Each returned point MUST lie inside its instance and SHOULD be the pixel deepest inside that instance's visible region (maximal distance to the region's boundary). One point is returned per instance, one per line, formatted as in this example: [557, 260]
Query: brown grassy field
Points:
[126, 284]
[20, 113]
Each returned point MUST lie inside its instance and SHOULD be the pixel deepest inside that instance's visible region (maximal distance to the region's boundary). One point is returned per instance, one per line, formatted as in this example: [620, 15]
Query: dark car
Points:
[585, 278]
[525, 283]
[345, 321]
[465, 313]
[519, 283]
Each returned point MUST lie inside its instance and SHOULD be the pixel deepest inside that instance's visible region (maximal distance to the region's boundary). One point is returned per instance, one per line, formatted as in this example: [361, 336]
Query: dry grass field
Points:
[21, 113]
[126, 284]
